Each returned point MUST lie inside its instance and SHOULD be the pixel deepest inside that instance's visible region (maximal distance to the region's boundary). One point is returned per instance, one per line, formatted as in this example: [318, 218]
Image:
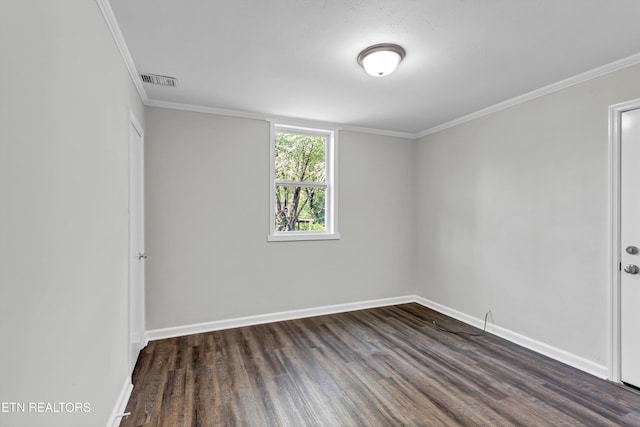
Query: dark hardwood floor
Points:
[386, 366]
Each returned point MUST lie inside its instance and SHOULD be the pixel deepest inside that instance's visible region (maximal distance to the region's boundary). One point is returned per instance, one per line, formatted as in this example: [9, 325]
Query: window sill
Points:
[293, 237]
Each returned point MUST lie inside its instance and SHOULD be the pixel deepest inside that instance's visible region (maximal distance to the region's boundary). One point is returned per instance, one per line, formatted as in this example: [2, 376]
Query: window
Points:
[303, 184]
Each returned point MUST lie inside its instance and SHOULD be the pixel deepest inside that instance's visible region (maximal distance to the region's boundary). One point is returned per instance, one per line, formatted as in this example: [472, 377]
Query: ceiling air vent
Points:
[156, 79]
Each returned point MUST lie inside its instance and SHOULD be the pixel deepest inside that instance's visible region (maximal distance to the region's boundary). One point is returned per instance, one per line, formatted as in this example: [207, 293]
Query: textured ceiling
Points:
[297, 58]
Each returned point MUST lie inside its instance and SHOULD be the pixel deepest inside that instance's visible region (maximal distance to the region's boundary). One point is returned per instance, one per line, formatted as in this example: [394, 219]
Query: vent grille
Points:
[156, 79]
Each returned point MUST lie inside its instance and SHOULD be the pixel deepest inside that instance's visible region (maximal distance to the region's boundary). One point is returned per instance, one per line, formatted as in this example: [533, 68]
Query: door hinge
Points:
[619, 266]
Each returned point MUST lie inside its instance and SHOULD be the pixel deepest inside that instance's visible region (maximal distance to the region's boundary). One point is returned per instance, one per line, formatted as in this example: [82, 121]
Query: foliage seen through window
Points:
[300, 187]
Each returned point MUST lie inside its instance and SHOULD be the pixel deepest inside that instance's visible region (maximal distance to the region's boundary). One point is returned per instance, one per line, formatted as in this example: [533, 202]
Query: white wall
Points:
[64, 114]
[513, 216]
[207, 224]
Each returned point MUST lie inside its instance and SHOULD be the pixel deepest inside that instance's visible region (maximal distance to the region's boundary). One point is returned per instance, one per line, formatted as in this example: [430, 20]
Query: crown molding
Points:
[110, 19]
[265, 117]
[396, 134]
[203, 109]
[537, 93]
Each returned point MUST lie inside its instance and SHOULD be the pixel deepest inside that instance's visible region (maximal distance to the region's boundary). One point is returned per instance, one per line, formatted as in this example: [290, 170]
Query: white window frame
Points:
[331, 188]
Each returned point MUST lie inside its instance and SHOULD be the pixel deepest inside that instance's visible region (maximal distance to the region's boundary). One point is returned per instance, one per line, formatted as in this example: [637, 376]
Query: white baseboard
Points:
[563, 356]
[560, 355]
[156, 334]
[121, 404]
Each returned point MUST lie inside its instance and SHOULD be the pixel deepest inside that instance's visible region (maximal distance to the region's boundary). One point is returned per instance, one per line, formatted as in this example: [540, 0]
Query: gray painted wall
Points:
[207, 207]
[513, 215]
[507, 213]
[64, 114]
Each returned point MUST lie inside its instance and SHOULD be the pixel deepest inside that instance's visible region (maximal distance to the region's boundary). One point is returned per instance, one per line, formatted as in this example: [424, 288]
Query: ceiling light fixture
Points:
[381, 59]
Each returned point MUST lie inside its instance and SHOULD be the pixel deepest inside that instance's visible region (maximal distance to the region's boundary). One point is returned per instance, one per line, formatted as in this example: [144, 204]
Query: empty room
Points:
[319, 213]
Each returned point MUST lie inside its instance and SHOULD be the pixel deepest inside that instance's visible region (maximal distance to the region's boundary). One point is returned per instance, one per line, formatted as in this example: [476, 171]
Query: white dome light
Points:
[381, 59]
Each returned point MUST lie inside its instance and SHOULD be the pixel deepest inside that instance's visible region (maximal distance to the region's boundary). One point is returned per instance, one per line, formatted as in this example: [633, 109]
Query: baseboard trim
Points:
[558, 354]
[156, 334]
[121, 404]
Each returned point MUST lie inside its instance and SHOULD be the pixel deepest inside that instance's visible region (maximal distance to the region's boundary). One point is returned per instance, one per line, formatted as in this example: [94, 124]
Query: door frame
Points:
[615, 277]
[135, 123]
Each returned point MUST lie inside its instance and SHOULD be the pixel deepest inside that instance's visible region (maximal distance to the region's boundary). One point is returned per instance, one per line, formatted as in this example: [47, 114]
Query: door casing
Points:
[136, 296]
[615, 142]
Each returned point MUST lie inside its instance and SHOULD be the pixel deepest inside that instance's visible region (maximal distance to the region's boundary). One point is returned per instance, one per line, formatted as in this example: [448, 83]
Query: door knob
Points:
[632, 269]
[144, 256]
[632, 250]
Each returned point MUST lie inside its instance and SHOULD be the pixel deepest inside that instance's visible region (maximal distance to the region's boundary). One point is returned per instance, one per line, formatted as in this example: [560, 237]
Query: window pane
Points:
[300, 158]
[299, 208]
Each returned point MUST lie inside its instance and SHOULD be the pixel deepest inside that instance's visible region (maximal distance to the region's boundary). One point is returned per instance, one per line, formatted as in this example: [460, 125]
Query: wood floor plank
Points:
[389, 366]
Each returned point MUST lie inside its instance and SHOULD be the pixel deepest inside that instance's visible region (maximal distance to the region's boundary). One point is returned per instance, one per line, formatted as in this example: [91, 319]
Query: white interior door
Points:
[136, 243]
[630, 247]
